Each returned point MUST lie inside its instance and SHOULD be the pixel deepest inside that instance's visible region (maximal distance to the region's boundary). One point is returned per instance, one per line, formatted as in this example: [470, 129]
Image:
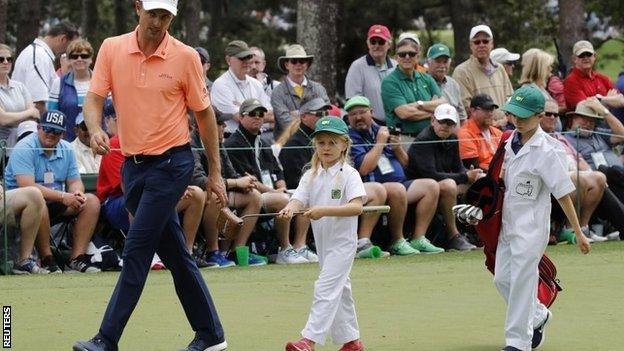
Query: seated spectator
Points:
[584, 82]
[478, 139]
[378, 162]
[47, 162]
[252, 156]
[439, 63]
[88, 161]
[256, 70]
[409, 96]
[435, 155]
[204, 58]
[25, 205]
[503, 57]
[26, 128]
[297, 89]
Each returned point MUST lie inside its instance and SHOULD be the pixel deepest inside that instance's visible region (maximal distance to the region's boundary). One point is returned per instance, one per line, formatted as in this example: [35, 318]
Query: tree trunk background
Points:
[3, 20]
[191, 22]
[571, 27]
[122, 9]
[89, 19]
[463, 18]
[28, 22]
[317, 32]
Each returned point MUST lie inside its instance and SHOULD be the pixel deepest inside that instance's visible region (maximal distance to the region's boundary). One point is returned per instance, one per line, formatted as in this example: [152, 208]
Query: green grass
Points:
[441, 302]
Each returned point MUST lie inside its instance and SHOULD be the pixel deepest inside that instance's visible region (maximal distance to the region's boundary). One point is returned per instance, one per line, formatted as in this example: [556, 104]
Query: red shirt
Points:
[109, 178]
[578, 87]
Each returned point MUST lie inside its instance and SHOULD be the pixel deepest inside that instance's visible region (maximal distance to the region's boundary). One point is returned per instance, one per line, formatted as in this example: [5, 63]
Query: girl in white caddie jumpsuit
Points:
[534, 168]
[333, 193]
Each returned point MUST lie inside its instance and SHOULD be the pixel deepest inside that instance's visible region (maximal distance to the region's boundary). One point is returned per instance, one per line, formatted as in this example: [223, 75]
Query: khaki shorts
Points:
[9, 217]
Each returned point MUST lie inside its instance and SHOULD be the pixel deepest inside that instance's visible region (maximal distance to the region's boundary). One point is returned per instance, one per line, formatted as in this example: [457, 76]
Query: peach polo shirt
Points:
[151, 94]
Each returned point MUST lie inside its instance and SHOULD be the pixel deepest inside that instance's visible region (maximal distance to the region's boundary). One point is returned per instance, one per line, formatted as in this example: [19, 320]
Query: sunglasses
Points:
[7, 59]
[585, 55]
[482, 41]
[82, 56]
[447, 122]
[377, 41]
[551, 114]
[256, 114]
[246, 58]
[295, 61]
[404, 54]
[50, 130]
[322, 113]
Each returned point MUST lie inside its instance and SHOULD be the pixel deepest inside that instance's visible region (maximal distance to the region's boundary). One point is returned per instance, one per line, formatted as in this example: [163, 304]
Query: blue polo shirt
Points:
[362, 144]
[29, 158]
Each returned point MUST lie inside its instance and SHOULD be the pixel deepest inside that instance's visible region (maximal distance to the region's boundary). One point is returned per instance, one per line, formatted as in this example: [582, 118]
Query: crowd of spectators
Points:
[421, 135]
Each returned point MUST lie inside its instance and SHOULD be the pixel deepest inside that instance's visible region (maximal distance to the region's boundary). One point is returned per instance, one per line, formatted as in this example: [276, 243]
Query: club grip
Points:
[376, 209]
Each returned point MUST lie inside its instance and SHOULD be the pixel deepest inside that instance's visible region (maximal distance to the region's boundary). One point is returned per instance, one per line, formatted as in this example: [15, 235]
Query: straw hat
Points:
[293, 51]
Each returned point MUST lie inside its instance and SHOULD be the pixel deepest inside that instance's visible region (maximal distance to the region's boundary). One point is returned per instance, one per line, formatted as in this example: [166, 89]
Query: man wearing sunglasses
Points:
[366, 73]
[88, 161]
[479, 74]
[583, 81]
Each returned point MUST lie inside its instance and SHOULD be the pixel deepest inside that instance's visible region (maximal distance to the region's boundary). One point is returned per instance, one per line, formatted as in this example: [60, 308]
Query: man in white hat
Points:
[503, 57]
[296, 90]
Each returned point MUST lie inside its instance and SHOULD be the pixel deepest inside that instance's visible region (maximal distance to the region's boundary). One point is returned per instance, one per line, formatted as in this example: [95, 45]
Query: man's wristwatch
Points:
[420, 104]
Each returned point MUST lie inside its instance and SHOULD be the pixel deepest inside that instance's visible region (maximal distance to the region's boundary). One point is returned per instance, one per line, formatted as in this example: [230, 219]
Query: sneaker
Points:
[201, 263]
[197, 344]
[302, 345]
[219, 259]
[308, 254]
[460, 243]
[615, 236]
[49, 264]
[289, 256]
[83, 264]
[402, 248]
[423, 245]
[591, 236]
[510, 348]
[29, 266]
[157, 264]
[539, 333]
[257, 260]
[355, 345]
[95, 344]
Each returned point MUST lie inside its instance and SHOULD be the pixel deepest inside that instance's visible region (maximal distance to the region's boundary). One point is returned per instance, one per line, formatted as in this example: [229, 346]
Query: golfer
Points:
[153, 79]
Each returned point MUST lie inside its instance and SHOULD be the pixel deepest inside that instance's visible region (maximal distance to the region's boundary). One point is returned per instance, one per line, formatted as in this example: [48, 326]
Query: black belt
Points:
[149, 158]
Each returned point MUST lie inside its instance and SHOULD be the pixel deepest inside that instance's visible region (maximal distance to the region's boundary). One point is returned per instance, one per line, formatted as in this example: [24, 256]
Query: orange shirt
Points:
[151, 94]
[473, 144]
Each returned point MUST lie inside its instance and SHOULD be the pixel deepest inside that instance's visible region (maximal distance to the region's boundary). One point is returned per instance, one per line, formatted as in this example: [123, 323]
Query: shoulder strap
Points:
[497, 161]
[37, 69]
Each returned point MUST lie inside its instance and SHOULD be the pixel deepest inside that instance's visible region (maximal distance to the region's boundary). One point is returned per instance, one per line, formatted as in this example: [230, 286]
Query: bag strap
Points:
[497, 160]
[36, 68]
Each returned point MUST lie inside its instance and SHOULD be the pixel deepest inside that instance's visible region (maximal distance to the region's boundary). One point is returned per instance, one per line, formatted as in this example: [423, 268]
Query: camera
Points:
[395, 130]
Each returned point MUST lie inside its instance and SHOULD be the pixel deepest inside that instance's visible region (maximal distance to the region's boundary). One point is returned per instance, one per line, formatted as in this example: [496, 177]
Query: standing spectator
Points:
[16, 105]
[88, 161]
[204, 58]
[68, 92]
[366, 73]
[235, 86]
[479, 75]
[435, 155]
[256, 70]
[439, 63]
[537, 71]
[478, 139]
[409, 96]
[35, 64]
[296, 89]
[414, 37]
[503, 57]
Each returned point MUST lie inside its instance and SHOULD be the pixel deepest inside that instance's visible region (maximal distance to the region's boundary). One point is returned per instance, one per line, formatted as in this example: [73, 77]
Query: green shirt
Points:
[398, 89]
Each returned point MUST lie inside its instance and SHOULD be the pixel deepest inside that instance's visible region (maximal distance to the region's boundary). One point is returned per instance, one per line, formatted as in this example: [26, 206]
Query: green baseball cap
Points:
[357, 100]
[333, 125]
[438, 50]
[525, 102]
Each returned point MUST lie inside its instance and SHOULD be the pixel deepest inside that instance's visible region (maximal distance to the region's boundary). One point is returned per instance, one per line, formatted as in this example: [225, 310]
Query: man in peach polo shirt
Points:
[154, 78]
[478, 139]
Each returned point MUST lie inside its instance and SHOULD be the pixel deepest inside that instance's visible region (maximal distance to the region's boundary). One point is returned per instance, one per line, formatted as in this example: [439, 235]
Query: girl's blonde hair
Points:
[315, 163]
[536, 67]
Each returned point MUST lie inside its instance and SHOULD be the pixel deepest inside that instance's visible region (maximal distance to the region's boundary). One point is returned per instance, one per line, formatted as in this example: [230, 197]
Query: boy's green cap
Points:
[331, 125]
[525, 102]
[357, 100]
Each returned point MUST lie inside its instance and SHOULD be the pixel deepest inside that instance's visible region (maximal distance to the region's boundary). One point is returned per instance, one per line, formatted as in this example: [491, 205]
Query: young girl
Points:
[331, 193]
[534, 167]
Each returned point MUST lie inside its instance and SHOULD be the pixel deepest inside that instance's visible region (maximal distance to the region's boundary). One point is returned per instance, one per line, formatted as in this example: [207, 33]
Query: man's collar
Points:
[293, 84]
[56, 152]
[235, 78]
[247, 134]
[45, 46]
[582, 74]
[161, 51]
[306, 129]
[371, 62]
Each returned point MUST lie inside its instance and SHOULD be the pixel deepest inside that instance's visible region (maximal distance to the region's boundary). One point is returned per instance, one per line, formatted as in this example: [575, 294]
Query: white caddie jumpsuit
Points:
[538, 170]
[333, 308]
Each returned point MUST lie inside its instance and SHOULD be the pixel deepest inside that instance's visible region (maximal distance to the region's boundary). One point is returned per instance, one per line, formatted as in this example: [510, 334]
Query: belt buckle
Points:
[134, 158]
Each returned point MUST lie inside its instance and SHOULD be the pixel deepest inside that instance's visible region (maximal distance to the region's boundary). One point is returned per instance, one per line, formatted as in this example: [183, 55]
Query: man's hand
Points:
[72, 201]
[394, 141]
[583, 244]
[100, 143]
[215, 184]
[474, 174]
[246, 183]
[382, 135]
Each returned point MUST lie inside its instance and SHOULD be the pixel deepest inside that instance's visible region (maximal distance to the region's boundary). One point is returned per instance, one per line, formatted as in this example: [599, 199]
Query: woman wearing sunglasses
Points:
[16, 104]
[67, 92]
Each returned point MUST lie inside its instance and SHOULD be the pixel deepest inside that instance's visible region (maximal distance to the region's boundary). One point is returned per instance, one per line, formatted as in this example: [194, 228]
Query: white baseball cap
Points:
[409, 35]
[169, 5]
[446, 111]
[26, 126]
[480, 28]
[502, 55]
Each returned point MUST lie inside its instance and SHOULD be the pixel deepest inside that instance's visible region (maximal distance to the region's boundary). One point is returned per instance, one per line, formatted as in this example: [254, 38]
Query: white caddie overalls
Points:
[333, 308]
[538, 170]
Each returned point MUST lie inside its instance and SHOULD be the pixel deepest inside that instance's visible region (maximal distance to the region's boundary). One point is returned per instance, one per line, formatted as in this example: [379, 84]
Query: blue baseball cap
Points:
[54, 119]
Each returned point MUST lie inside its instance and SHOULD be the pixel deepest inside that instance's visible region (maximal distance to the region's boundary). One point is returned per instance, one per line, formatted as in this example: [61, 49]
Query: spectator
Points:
[47, 162]
[479, 75]
[204, 58]
[296, 89]
[16, 105]
[25, 205]
[252, 156]
[414, 37]
[619, 85]
[110, 118]
[87, 160]
[537, 70]
[366, 73]
[235, 86]
[26, 128]
[256, 70]
[409, 96]
[34, 66]
[503, 57]
[68, 92]
[478, 139]
[381, 163]
[584, 82]
[435, 155]
[439, 63]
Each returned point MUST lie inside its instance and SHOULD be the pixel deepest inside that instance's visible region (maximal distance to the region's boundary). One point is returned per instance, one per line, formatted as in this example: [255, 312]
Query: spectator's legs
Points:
[209, 222]
[397, 200]
[591, 186]
[29, 204]
[376, 195]
[425, 193]
[274, 202]
[43, 234]
[86, 220]
[448, 199]
[302, 224]
[247, 203]
[192, 204]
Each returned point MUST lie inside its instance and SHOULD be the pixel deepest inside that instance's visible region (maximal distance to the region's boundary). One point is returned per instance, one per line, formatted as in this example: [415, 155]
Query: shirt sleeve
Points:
[467, 147]
[554, 173]
[25, 94]
[197, 98]
[354, 82]
[354, 187]
[433, 86]
[573, 92]
[22, 161]
[391, 96]
[281, 110]
[463, 79]
[55, 91]
[101, 82]
[222, 97]
[72, 171]
[302, 193]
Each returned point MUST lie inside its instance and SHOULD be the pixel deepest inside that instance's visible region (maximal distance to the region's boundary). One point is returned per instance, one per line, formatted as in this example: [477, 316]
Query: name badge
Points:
[384, 165]
[599, 159]
[526, 187]
[266, 178]
[336, 194]
[48, 179]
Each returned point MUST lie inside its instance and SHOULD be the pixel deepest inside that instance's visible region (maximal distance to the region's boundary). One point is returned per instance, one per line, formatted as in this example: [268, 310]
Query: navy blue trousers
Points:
[152, 190]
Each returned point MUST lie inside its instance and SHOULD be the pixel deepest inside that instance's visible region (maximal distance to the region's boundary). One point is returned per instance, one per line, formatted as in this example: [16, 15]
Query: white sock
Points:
[363, 242]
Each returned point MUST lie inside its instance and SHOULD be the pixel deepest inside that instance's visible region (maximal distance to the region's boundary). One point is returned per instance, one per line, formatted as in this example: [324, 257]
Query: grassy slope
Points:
[442, 302]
